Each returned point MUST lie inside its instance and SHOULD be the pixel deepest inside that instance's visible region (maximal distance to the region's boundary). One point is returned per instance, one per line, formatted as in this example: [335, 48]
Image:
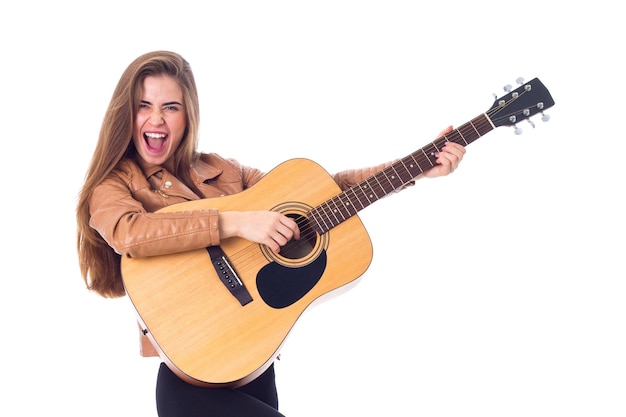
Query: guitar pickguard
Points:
[280, 286]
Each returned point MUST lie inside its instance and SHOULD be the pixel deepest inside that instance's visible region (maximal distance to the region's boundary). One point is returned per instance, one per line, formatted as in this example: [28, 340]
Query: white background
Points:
[496, 291]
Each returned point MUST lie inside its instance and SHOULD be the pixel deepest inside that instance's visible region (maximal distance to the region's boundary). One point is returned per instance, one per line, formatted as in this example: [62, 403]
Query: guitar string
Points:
[331, 208]
[308, 232]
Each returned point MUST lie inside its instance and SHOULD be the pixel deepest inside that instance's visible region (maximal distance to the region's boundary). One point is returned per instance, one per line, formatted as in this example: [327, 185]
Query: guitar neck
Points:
[393, 178]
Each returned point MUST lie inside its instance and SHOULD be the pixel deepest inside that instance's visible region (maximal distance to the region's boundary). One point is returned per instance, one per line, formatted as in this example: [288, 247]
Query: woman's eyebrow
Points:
[169, 103]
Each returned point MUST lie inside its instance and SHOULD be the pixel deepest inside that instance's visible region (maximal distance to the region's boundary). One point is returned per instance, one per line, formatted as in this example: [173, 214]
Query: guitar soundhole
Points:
[301, 252]
[296, 249]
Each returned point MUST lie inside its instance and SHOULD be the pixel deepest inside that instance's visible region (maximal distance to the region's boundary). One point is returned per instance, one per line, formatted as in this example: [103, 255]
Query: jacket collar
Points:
[202, 171]
[168, 184]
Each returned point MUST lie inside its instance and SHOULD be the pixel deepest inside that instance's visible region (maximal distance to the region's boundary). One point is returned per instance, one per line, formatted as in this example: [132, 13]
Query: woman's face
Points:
[160, 121]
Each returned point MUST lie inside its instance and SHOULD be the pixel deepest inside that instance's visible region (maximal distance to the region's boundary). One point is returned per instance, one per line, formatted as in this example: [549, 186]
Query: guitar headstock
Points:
[529, 99]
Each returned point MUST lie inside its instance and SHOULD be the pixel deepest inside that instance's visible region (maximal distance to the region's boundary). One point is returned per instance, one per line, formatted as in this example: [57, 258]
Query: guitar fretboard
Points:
[346, 204]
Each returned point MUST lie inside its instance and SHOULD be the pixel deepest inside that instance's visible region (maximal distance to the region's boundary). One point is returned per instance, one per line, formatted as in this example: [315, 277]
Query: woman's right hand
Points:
[266, 227]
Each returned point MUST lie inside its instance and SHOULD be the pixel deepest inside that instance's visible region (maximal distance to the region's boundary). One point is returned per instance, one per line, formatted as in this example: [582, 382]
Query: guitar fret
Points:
[392, 179]
[338, 208]
[402, 172]
[475, 130]
[333, 212]
[432, 163]
[371, 195]
[363, 188]
[358, 193]
[401, 180]
[414, 164]
[353, 190]
[461, 134]
[324, 214]
[315, 215]
[379, 187]
[384, 183]
[329, 214]
[347, 205]
[408, 174]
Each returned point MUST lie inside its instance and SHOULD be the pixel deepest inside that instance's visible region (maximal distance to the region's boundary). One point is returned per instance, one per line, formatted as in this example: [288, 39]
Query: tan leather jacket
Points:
[122, 207]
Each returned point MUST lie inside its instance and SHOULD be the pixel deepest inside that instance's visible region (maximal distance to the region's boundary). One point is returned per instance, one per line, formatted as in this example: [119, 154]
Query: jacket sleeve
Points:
[132, 231]
[250, 176]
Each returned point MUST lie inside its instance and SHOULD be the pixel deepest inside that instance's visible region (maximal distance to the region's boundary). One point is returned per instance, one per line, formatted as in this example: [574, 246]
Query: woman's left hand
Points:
[448, 159]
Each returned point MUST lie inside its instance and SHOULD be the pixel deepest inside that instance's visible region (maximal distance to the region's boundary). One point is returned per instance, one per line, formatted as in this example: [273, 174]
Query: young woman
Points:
[146, 158]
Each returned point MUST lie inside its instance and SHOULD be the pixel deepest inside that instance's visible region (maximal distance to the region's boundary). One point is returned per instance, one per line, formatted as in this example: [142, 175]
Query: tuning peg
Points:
[518, 131]
[507, 88]
[520, 80]
[544, 117]
[530, 122]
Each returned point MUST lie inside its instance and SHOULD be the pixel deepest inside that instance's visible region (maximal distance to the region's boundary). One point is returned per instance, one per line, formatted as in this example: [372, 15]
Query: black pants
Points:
[177, 398]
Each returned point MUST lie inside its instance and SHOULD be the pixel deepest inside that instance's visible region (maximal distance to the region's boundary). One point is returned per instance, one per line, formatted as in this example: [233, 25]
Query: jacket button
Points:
[167, 184]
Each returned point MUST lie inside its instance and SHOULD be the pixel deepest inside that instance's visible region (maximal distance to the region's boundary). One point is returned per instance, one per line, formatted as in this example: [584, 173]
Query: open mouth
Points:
[155, 142]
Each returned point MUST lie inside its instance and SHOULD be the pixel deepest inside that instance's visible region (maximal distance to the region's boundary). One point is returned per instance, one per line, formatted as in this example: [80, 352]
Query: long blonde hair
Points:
[99, 263]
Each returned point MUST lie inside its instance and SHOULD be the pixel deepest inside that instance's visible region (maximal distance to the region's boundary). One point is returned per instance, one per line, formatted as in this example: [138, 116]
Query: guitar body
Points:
[202, 331]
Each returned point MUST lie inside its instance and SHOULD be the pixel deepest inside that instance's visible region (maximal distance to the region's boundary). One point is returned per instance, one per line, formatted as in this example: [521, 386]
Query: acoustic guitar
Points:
[218, 316]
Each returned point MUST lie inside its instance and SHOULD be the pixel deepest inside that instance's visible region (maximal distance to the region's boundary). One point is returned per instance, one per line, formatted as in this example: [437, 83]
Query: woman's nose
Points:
[156, 118]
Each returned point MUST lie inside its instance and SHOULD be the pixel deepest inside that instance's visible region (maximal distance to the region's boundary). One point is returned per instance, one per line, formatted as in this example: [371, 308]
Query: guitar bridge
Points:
[227, 274]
